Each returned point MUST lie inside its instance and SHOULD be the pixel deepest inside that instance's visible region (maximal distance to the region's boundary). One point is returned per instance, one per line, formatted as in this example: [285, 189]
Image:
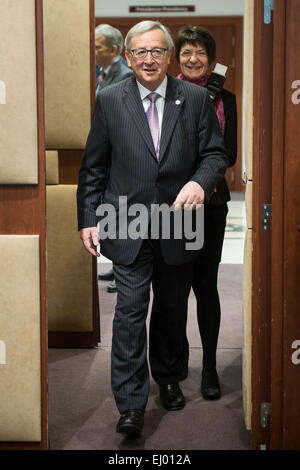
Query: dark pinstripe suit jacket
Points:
[120, 160]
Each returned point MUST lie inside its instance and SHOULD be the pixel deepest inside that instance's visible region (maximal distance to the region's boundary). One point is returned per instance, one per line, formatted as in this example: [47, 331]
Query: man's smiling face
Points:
[149, 71]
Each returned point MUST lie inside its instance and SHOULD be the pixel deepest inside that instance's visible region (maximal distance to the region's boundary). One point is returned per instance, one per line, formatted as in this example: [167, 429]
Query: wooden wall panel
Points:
[22, 212]
[67, 73]
[52, 172]
[69, 266]
[20, 384]
[83, 330]
[18, 116]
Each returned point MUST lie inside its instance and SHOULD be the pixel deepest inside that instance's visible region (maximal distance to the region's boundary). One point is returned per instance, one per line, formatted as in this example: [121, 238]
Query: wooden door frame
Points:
[277, 287]
[268, 281]
[237, 21]
[290, 261]
[262, 194]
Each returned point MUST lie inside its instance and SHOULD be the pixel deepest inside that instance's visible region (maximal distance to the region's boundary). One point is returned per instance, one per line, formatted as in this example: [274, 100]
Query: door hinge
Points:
[232, 176]
[233, 41]
[265, 412]
[268, 7]
[233, 63]
[266, 216]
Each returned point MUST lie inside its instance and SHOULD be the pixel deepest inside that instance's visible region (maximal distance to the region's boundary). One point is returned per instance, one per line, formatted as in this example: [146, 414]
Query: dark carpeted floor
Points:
[82, 412]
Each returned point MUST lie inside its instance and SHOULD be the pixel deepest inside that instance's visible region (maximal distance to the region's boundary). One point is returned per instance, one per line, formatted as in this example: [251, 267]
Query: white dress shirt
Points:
[160, 102]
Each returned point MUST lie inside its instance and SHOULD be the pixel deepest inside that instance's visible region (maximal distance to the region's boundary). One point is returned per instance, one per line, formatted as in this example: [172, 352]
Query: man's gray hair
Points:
[113, 37]
[143, 27]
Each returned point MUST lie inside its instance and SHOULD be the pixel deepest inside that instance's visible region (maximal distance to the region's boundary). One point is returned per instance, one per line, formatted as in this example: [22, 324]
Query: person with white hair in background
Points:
[108, 47]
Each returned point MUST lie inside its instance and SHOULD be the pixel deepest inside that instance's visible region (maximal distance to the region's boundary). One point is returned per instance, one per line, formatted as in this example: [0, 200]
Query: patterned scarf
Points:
[218, 103]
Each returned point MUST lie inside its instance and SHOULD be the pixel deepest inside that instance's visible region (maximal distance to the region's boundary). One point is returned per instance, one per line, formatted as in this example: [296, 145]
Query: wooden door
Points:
[227, 32]
[276, 251]
[261, 237]
[291, 236]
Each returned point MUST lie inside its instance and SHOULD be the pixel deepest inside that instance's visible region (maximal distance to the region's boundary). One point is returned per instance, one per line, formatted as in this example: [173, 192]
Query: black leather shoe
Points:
[171, 397]
[108, 276]
[131, 423]
[112, 286]
[210, 386]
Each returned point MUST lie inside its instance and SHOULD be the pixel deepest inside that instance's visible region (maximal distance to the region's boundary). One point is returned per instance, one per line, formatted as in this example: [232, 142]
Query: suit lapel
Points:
[111, 74]
[172, 109]
[133, 102]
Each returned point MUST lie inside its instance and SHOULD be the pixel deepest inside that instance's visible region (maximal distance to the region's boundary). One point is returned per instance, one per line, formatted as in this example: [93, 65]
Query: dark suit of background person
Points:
[98, 69]
[120, 160]
[117, 72]
[195, 70]
[108, 47]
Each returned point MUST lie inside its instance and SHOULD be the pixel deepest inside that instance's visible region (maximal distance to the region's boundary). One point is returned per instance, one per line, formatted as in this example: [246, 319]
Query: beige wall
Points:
[69, 266]
[18, 93]
[52, 173]
[67, 73]
[202, 8]
[20, 363]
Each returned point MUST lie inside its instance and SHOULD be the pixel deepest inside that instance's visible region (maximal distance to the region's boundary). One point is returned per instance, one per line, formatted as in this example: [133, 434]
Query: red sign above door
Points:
[162, 8]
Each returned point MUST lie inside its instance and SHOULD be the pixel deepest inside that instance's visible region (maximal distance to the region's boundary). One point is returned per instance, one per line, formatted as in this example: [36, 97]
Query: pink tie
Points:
[152, 116]
[100, 78]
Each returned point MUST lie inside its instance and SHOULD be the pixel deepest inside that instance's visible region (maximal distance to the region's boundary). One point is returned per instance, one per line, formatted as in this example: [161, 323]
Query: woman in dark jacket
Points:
[195, 50]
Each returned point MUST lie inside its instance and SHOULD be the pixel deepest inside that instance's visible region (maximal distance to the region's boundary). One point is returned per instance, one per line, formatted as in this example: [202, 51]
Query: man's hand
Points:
[191, 194]
[89, 237]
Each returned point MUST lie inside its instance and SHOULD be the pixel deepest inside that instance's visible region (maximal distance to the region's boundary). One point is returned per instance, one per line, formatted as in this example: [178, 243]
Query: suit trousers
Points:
[129, 367]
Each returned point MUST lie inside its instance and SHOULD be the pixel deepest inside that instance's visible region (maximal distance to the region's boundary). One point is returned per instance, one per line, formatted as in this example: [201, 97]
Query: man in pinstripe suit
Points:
[178, 163]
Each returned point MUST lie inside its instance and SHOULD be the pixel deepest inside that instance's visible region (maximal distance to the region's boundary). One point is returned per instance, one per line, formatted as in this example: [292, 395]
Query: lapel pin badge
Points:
[177, 102]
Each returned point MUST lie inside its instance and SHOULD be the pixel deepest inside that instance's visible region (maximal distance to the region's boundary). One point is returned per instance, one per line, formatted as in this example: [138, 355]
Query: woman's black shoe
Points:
[210, 386]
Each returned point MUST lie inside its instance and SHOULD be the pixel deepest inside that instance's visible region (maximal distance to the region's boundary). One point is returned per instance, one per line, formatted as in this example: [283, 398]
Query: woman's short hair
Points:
[195, 35]
[144, 27]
